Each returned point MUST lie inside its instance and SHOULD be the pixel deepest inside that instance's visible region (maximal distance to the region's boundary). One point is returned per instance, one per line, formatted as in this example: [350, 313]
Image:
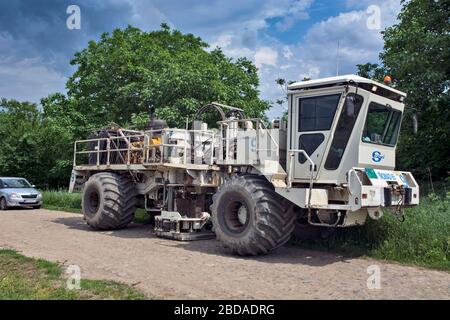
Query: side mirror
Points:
[33, 186]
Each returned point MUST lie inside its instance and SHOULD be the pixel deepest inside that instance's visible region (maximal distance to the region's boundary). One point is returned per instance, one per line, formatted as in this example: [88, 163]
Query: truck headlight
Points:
[15, 196]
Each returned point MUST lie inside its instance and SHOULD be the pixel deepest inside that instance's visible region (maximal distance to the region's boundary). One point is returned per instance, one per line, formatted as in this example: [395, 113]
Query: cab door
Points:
[313, 119]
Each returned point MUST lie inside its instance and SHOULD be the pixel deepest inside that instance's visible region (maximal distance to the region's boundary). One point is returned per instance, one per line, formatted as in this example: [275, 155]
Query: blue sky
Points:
[290, 39]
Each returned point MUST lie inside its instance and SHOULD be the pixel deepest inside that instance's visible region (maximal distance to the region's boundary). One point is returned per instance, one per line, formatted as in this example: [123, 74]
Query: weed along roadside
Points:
[423, 239]
[62, 200]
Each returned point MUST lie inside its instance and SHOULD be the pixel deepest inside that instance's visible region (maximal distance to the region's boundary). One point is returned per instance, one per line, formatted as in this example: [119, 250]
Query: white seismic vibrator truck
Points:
[329, 165]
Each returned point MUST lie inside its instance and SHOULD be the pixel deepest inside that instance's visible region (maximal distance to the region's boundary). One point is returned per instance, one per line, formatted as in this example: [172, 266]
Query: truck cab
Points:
[345, 129]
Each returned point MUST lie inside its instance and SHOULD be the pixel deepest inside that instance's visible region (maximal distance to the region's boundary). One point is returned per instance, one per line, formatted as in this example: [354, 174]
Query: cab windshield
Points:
[382, 125]
[15, 183]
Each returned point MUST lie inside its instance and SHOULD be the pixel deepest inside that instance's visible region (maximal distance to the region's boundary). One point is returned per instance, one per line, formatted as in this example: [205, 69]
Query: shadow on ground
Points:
[289, 254]
[134, 230]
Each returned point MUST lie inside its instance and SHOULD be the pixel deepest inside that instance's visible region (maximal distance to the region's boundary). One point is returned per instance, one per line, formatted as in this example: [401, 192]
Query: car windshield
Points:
[382, 125]
[15, 183]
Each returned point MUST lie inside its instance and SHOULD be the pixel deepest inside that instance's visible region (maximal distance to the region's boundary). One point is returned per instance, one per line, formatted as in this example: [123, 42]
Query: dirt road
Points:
[205, 269]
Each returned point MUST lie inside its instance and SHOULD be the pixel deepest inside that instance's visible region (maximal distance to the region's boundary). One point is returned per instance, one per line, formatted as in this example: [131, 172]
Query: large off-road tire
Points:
[109, 201]
[249, 217]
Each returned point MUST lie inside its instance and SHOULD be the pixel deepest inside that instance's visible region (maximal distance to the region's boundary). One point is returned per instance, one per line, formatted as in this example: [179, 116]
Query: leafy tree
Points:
[59, 109]
[371, 71]
[417, 56]
[32, 146]
[127, 71]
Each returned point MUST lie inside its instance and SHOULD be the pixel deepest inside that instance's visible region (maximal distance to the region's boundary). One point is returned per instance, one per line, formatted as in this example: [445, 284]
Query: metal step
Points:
[186, 236]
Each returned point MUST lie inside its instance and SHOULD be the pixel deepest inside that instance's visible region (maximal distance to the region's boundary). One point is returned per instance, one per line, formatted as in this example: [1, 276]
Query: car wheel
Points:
[36, 207]
[3, 205]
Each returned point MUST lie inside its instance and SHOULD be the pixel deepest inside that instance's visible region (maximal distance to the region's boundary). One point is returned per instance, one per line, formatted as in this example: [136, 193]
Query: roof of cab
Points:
[339, 80]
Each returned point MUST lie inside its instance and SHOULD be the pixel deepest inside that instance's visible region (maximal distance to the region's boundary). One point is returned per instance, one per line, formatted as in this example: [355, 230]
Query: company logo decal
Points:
[377, 156]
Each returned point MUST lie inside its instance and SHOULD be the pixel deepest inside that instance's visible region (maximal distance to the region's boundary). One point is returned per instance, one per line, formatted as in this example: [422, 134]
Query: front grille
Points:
[29, 196]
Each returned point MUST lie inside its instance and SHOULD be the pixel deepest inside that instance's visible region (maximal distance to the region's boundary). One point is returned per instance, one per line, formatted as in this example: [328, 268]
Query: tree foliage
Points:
[417, 56]
[32, 145]
[125, 72]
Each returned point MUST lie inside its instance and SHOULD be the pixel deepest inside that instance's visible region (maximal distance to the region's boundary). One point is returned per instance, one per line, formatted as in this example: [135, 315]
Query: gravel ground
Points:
[205, 269]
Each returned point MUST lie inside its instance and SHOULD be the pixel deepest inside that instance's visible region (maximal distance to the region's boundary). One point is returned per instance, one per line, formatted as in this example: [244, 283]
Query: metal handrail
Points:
[108, 148]
[291, 153]
[291, 169]
[110, 138]
[257, 120]
[143, 138]
[227, 141]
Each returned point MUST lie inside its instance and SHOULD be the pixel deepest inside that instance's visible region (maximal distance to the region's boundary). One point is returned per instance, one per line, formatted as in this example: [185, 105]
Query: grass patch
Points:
[423, 239]
[141, 216]
[62, 201]
[23, 278]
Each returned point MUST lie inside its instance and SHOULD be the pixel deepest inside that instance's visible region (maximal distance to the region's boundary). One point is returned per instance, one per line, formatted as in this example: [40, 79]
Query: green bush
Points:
[62, 200]
[424, 237]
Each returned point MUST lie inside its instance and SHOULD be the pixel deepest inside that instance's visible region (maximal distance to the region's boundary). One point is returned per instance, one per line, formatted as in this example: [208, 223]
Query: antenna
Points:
[337, 59]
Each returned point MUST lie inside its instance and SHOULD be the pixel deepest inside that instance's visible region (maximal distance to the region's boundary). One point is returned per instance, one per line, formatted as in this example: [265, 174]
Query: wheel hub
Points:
[242, 214]
[236, 216]
[94, 201]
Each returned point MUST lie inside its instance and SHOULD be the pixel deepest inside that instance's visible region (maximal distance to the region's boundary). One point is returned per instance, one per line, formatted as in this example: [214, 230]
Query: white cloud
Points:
[26, 78]
[223, 41]
[266, 56]
[285, 24]
[296, 11]
[29, 80]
